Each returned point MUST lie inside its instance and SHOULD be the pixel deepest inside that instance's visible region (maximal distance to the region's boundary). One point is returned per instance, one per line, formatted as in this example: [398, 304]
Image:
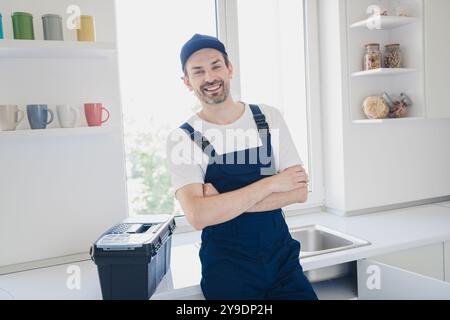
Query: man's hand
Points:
[282, 199]
[209, 190]
[290, 179]
[303, 174]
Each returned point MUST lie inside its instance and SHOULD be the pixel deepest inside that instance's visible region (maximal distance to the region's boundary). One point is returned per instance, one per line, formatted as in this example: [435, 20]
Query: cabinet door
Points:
[427, 260]
[447, 260]
[378, 281]
[437, 17]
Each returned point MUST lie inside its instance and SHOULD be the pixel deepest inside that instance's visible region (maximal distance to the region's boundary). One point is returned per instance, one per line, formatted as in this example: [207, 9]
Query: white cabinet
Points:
[411, 274]
[428, 260]
[437, 25]
[447, 260]
[378, 281]
[60, 188]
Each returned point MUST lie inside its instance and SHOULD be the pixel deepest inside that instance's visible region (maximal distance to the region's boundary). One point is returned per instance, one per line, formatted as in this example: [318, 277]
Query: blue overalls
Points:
[252, 257]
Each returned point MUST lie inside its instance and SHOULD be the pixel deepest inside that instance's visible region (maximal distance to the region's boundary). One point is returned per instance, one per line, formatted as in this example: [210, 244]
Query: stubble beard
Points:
[215, 99]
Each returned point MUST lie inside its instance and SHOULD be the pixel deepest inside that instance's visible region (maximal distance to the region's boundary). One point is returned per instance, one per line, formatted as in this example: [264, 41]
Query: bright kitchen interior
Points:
[362, 85]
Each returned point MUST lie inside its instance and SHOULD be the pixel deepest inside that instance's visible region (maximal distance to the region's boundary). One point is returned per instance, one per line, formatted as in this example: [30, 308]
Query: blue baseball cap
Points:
[198, 42]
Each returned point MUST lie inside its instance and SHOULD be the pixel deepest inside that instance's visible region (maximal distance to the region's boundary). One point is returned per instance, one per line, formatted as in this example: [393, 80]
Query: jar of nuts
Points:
[392, 56]
[372, 57]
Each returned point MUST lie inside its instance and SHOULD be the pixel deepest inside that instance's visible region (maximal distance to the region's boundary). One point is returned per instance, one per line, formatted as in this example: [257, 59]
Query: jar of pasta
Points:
[372, 57]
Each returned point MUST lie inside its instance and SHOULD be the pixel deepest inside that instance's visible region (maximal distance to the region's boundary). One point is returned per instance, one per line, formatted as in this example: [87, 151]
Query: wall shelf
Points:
[406, 31]
[384, 23]
[41, 49]
[386, 121]
[58, 132]
[384, 72]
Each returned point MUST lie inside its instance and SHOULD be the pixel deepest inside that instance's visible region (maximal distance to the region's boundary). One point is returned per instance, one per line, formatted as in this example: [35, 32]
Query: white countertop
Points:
[387, 232]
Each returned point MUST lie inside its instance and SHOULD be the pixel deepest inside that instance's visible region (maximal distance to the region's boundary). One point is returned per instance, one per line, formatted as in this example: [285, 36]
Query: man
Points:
[231, 191]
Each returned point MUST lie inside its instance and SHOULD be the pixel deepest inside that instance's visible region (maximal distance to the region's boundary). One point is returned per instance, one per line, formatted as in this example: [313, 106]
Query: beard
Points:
[213, 98]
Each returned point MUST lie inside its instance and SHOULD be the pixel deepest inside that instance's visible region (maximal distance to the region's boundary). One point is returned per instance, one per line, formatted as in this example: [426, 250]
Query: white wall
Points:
[332, 112]
[58, 192]
[373, 165]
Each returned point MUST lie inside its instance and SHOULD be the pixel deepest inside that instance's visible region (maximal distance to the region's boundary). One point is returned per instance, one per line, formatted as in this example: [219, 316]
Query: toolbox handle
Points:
[172, 226]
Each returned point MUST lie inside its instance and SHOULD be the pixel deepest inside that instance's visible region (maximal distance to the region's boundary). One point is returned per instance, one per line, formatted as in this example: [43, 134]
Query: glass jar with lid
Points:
[372, 57]
[382, 8]
[392, 56]
[403, 8]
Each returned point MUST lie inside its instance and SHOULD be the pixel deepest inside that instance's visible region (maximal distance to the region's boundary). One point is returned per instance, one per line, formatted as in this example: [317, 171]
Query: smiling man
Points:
[233, 189]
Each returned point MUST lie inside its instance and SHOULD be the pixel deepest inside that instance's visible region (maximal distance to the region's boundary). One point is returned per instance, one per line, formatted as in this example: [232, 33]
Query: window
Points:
[280, 38]
[155, 100]
[273, 43]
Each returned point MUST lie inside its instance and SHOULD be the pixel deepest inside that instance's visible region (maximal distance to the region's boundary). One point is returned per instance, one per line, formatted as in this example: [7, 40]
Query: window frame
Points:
[228, 33]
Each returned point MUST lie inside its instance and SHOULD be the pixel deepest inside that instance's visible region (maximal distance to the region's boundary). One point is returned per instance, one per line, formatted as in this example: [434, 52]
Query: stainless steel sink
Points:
[318, 240]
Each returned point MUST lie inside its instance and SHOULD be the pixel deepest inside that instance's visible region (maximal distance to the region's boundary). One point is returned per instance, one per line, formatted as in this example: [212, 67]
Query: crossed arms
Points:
[204, 206]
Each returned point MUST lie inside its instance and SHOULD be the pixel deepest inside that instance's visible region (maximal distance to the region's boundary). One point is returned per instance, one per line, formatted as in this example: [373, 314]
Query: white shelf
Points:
[40, 49]
[380, 121]
[384, 23]
[384, 72]
[57, 132]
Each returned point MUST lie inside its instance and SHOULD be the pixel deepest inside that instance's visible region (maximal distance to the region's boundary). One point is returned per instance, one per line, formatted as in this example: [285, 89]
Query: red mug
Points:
[94, 114]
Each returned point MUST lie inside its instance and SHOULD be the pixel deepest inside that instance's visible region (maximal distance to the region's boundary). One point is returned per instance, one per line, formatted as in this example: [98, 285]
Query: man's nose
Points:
[209, 76]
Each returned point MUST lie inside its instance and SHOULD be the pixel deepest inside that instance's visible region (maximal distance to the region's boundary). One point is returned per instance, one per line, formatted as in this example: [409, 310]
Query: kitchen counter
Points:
[387, 232]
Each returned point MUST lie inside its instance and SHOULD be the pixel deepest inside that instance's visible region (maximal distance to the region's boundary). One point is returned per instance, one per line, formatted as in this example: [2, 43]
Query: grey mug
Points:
[53, 29]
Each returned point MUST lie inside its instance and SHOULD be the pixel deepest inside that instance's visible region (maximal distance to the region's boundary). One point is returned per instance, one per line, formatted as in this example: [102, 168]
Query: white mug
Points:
[67, 115]
[10, 117]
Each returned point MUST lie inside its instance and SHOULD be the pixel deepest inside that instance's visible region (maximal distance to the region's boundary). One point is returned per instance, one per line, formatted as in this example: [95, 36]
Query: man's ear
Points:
[230, 70]
[187, 83]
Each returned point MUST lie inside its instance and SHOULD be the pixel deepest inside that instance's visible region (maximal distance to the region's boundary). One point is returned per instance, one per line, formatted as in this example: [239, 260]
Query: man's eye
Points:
[216, 67]
[197, 73]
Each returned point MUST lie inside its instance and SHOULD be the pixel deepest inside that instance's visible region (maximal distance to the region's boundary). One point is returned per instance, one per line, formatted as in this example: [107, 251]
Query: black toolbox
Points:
[133, 257]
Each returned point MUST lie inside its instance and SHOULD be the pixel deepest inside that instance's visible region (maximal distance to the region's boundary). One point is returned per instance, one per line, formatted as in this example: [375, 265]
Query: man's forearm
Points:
[227, 206]
[280, 200]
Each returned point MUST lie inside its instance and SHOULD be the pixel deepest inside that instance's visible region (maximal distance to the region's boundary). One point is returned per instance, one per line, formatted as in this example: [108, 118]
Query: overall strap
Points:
[263, 129]
[199, 140]
[260, 120]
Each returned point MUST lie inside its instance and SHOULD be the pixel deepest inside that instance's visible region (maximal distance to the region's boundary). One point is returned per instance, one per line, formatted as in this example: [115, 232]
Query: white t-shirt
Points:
[188, 163]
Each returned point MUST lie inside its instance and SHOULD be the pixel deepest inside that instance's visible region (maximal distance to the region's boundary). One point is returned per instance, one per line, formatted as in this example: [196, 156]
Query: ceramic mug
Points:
[10, 117]
[1, 27]
[23, 26]
[86, 30]
[67, 115]
[53, 29]
[38, 115]
[94, 114]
